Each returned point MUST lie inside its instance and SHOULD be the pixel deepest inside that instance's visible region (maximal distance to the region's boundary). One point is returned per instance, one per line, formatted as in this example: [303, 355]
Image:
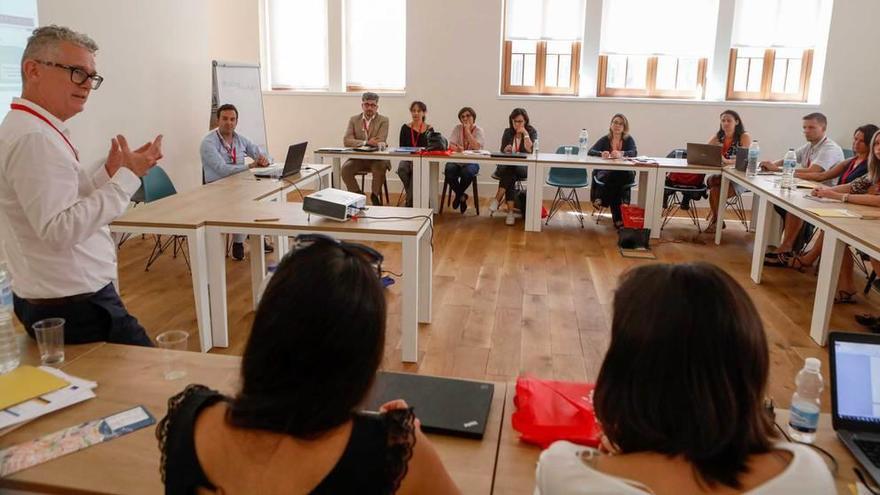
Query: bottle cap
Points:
[812, 364]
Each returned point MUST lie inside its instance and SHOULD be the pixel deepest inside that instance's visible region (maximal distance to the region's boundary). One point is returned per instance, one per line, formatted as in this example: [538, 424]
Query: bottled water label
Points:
[804, 417]
[5, 296]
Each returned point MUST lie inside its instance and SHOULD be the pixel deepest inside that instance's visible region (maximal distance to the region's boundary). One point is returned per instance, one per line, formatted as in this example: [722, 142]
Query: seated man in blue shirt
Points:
[223, 152]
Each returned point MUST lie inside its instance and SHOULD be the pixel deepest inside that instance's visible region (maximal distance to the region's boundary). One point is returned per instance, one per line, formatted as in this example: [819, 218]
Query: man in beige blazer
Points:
[366, 128]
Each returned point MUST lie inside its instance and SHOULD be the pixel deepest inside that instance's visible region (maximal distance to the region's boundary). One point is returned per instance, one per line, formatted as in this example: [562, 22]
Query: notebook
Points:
[25, 383]
[443, 405]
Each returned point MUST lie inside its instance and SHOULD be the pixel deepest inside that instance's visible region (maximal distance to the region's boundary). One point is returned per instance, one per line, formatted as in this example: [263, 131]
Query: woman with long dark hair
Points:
[730, 136]
[295, 426]
[412, 135]
[612, 187]
[519, 137]
[680, 397]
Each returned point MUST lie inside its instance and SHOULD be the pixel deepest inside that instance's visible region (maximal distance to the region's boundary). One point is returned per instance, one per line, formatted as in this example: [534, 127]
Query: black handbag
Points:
[435, 141]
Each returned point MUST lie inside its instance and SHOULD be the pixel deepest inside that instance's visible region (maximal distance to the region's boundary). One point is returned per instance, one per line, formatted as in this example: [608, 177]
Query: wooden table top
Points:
[190, 209]
[515, 471]
[388, 220]
[128, 376]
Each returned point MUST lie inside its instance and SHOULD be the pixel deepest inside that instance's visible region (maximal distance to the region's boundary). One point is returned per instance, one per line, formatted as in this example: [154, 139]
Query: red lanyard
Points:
[23, 108]
[852, 166]
[413, 135]
[230, 150]
[366, 126]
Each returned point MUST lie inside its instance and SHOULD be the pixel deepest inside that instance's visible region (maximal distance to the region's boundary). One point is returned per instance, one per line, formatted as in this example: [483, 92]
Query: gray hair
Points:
[370, 96]
[48, 37]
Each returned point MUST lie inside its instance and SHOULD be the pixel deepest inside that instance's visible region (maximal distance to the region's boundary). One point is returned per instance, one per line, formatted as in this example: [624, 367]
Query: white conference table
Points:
[337, 157]
[185, 214]
[411, 227]
[863, 234]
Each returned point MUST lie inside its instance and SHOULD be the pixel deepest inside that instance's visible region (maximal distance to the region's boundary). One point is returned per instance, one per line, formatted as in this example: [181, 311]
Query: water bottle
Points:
[9, 352]
[583, 142]
[5, 288]
[754, 152]
[803, 417]
[535, 147]
[789, 163]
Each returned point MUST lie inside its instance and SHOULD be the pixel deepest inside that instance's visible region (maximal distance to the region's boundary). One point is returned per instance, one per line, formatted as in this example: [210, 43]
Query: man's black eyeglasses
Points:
[369, 254]
[77, 74]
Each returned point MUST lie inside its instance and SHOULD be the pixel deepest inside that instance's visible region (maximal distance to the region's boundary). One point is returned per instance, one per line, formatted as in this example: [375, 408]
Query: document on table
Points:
[25, 383]
[77, 390]
[833, 213]
[822, 200]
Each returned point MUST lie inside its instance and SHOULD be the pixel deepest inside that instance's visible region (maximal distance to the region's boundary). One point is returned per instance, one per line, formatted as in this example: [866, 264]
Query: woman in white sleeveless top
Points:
[680, 398]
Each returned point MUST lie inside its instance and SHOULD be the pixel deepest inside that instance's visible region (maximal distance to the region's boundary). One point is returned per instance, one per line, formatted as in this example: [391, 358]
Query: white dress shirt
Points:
[54, 215]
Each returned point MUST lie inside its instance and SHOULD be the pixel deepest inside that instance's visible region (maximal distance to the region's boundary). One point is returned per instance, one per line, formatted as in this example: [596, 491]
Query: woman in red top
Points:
[730, 136]
[412, 135]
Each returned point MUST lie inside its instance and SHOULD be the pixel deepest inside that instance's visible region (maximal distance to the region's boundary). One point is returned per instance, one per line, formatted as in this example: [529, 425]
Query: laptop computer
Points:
[509, 155]
[704, 154]
[443, 405]
[855, 401]
[291, 165]
[742, 158]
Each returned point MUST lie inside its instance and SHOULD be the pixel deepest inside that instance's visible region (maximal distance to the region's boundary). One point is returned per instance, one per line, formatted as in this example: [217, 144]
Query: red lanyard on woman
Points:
[23, 108]
[849, 169]
[230, 149]
[413, 135]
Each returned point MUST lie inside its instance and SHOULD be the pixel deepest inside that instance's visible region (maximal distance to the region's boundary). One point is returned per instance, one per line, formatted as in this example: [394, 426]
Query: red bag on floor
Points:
[544, 212]
[633, 216]
[547, 411]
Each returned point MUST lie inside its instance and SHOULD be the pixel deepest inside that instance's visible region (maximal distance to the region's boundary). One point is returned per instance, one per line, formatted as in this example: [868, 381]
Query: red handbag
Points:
[547, 411]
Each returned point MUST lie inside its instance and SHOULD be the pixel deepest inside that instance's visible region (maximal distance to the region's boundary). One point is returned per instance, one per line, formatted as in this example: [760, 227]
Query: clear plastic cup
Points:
[50, 340]
[569, 150]
[679, 154]
[171, 343]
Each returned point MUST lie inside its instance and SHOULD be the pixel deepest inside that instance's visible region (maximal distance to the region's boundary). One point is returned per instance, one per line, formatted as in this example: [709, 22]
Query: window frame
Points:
[650, 90]
[767, 68]
[540, 88]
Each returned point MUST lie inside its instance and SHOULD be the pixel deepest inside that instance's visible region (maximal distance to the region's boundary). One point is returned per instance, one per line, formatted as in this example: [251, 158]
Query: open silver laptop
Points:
[291, 166]
[855, 395]
[704, 154]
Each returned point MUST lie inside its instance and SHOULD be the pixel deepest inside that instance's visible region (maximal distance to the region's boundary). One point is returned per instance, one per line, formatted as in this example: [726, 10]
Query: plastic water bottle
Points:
[5, 288]
[9, 352]
[789, 163]
[583, 142]
[754, 153]
[535, 147]
[803, 417]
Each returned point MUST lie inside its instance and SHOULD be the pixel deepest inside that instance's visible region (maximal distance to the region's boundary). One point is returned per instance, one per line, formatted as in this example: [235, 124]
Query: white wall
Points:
[156, 57]
[157, 69]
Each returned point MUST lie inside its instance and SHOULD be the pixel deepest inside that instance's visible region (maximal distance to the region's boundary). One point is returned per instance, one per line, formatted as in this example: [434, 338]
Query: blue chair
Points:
[848, 153]
[157, 185]
[567, 178]
[682, 197]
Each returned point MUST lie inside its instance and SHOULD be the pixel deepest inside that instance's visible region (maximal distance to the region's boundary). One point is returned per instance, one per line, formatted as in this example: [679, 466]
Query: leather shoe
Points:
[237, 251]
[375, 200]
[268, 248]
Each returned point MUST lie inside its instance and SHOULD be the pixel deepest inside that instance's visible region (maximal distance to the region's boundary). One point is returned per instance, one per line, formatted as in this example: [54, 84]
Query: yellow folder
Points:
[25, 383]
[834, 213]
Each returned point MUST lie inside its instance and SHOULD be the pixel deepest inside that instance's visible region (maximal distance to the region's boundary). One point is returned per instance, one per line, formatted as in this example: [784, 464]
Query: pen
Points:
[266, 219]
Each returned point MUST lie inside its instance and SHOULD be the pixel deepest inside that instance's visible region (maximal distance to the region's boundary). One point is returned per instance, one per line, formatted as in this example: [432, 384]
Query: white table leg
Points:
[722, 207]
[336, 180]
[422, 195]
[409, 324]
[216, 250]
[258, 266]
[198, 261]
[432, 191]
[833, 251]
[654, 203]
[534, 190]
[426, 267]
[283, 247]
[761, 232]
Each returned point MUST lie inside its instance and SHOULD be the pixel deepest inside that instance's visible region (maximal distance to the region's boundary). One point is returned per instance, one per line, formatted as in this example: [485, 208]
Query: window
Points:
[375, 44]
[542, 46]
[771, 57]
[656, 49]
[335, 45]
[297, 44]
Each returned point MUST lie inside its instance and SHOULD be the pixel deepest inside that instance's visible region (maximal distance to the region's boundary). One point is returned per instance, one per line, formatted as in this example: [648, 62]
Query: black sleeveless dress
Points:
[374, 460]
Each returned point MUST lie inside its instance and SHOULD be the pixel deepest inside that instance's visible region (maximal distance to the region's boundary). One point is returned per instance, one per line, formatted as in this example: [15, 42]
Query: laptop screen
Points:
[857, 381]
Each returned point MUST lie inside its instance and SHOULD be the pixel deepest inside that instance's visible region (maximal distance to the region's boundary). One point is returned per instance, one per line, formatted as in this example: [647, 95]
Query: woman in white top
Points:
[680, 398]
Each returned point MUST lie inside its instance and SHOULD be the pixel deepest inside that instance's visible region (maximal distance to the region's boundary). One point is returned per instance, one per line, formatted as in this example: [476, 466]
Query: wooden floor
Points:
[509, 302]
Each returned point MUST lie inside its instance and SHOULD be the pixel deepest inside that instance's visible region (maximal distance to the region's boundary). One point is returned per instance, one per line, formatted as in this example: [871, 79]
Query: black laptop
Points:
[742, 158]
[855, 395]
[291, 166]
[443, 405]
[518, 156]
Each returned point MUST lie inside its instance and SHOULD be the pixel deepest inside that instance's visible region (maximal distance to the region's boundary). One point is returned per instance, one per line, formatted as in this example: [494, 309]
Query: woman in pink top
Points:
[464, 136]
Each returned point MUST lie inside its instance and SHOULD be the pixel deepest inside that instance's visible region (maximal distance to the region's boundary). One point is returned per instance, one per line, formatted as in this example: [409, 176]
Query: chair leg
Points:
[476, 196]
[576, 203]
[694, 214]
[363, 181]
[555, 205]
[443, 195]
[671, 209]
[157, 251]
[387, 196]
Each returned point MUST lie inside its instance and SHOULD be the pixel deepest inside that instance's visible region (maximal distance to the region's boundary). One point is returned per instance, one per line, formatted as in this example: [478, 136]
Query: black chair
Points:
[446, 194]
[682, 197]
[363, 175]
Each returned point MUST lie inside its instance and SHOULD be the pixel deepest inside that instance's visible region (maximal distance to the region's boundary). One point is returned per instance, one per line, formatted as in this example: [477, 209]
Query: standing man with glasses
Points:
[54, 213]
[366, 128]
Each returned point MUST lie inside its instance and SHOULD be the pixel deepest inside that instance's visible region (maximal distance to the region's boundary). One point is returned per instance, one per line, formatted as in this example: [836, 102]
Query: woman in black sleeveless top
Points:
[294, 427]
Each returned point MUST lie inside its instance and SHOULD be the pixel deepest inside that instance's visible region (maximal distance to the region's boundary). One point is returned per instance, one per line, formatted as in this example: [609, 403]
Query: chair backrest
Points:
[671, 154]
[157, 185]
[848, 153]
[568, 174]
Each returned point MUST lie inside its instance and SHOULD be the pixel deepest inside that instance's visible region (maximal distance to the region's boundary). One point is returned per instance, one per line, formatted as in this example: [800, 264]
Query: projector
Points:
[334, 204]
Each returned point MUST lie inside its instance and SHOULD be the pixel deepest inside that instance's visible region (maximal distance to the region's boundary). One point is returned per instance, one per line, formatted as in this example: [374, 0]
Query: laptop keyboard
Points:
[871, 450]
